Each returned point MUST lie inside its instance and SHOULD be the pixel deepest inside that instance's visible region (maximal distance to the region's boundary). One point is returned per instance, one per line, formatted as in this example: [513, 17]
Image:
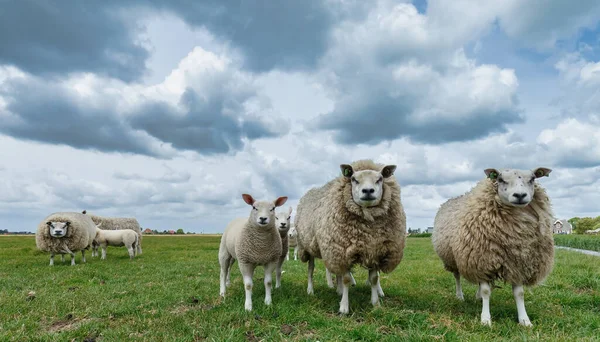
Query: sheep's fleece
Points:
[485, 240]
[118, 223]
[80, 234]
[331, 226]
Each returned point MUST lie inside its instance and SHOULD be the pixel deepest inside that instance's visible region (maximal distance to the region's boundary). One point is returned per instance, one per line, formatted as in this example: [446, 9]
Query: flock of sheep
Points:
[69, 232]
[501, 230]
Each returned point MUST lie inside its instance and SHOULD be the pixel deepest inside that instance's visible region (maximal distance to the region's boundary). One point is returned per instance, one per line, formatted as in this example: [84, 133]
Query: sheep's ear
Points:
[492, 173]
[248, 199]
[280, 201]
[541, 172]
[99, 224]
[388, 170]
[347, 170]
[84, 212]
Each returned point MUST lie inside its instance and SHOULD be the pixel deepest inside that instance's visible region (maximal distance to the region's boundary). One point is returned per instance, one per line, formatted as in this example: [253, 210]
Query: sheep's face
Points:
[282, 220]
[58, 229]
[263, 212]
[367, 185]
[292, 233]
[516, 187]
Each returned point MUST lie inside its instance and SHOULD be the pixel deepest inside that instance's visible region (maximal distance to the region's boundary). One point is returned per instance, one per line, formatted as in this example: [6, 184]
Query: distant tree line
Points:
[5, 231]
[581, 224]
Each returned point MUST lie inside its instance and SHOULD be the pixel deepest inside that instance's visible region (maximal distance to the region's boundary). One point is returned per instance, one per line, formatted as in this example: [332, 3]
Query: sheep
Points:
[115, 223]
[65, 233]
[252, 241]
[356, 218]
[116, 238]
[500, 230]
[282, 222]
[293, 242]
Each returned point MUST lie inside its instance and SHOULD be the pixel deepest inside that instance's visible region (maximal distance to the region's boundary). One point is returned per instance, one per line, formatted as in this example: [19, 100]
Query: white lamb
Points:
[252, 241]
[293, 242]
[117, 238]
[282, 222]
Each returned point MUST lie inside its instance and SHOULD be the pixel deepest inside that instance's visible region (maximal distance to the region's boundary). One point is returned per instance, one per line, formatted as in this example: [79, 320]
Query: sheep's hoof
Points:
[344, 311]
[486, 321]
[248, 307]
[460, 296]
[268, 301]
[310, 290]
[525, 322]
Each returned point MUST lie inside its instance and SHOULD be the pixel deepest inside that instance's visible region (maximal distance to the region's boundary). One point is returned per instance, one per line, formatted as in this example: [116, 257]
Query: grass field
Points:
[170, 293]
[589, 242]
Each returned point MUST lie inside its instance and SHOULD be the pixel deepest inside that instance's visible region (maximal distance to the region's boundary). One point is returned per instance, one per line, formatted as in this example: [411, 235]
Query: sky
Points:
[168, 111]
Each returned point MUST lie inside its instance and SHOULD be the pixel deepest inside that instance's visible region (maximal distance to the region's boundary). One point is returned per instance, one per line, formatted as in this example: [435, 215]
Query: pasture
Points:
[170, 293]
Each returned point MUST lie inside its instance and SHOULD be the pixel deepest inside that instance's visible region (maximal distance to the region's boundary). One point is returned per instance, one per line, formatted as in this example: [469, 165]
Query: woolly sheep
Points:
[293, 242]
[116, 238]
[499, 230]
[65, 233]
[115, 223]
[252, 241]
[282, 222]
[356, 218]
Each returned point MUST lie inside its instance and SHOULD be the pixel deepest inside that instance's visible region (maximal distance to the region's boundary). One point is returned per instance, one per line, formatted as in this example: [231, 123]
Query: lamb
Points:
[116, 238]
[115, 223]
[356, 218]
[252, 241]
[65, 233]
[499, 230]
[282, 222]
[293, 242]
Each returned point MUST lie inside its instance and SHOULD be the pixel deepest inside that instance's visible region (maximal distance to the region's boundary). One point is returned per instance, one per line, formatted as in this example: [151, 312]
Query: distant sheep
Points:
[65, 233]
[252, 241]
[355, 219]
[282, 222]
[117, 238]
[499, 230]
[116, 223]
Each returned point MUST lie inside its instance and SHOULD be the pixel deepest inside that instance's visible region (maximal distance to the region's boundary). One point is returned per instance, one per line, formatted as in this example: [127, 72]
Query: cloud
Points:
[207, 105]
[395, 75]
[63, 37]
[572, 144]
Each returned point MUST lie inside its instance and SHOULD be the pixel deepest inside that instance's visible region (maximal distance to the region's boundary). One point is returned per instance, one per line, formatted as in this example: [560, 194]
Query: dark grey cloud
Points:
[58, 37]
[271, 34]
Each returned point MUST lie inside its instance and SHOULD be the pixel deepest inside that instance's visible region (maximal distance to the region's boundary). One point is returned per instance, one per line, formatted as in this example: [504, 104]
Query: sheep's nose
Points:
[368, 191]
[520, 196]
[262, 219]
[283, 225]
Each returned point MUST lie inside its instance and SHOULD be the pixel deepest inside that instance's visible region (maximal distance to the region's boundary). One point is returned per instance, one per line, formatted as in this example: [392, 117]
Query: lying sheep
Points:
[252, 241]
[282, 222]
[499, 230]
[65, 233]
[293, 242]
[116, 223]
[116, 238]
[355, 219]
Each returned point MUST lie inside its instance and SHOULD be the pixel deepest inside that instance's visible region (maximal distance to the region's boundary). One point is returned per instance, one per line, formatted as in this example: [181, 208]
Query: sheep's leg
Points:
[247, 271]
[311, 270]
[131, 252]
[295, 253]
[269, 281]
[352, 280]
[225, 270]
[83, 255]
[278, 273]
[379, 289]
[374, 280]
[287, 255]
[103, 253]
[72, 259]
[139, 247]
[228, 281]
[519, 294]
[485, 291]
[328, 276]
[52, 259]
[459, 291]
[340, 286]
[345, 280]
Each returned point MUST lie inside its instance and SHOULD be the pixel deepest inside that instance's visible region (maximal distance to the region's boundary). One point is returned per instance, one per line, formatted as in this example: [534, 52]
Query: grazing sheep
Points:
[355, 219]
[116, 223]
[65, 233]
[282, 222]
[499, 230]
[252, 241]
[116, 238]
[293, 242]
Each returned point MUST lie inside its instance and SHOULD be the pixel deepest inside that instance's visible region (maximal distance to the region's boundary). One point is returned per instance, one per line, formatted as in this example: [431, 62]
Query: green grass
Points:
[170, 293]
[589, 242]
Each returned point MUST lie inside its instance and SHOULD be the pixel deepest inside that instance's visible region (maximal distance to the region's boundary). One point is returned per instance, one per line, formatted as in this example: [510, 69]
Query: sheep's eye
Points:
[354, 180]
[289, 217]
[501, 180]
[253, 207]
[532, 180]
[272, 208]
[380, 180]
